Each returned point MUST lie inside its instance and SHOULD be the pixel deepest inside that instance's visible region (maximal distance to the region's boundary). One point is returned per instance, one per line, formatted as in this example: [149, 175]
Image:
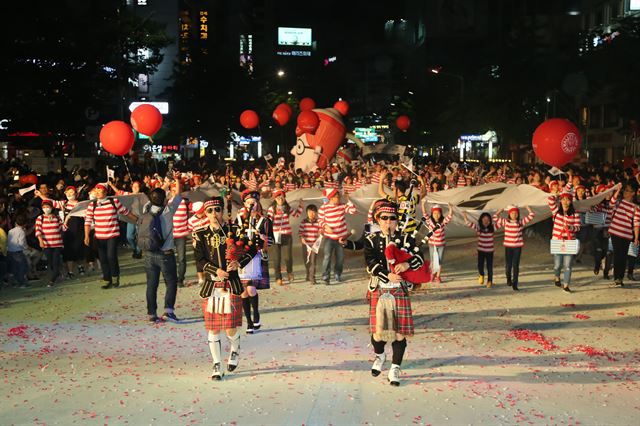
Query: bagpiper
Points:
[390, 316]
[254, 225]
[222, 304]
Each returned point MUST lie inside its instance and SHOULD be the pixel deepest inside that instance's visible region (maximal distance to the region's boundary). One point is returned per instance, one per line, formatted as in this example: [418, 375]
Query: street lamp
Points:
[281, 73]
[459, 77]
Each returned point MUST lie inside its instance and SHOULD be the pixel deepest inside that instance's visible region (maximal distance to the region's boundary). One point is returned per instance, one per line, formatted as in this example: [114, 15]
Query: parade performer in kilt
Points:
[254, 225]
[390, 316]
[222, 304]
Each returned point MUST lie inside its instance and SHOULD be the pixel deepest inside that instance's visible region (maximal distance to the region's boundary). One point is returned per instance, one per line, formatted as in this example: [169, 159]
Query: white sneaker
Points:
[217, 372]
[376, 368]
[394, 375]
[232, 364]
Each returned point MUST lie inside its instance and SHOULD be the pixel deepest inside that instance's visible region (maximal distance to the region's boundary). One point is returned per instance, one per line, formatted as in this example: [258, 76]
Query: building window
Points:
[595, 117]
[610, 115]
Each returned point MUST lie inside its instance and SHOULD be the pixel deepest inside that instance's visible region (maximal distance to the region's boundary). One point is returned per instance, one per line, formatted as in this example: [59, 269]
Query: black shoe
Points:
[107, 286]
[116, 283]
[509, 283]
[70, 275]
[596, 270]
[557, 282]
[515, 287]
[249, 330]
[631, 277]
[217, 372]
[181, 284]
[153, 319]
[81, 270]
[566, 288]
[232, 364]
[338, 279]
[256, 325]
[616, 284]
[326, 280]
[170, 316]
[606, 276]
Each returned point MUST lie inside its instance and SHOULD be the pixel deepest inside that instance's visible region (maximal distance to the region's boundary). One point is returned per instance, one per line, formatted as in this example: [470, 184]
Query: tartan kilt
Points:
[403, 313]
[220, 322]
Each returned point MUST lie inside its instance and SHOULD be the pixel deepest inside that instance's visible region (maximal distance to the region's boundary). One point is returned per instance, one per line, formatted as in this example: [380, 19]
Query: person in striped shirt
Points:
[49, 235]
[309, 232]
[279, 213]
[435, 224]
[566, 223]
[334, 228]
[102, 213]
[513, 241]
[180, 231]
[624, 229]
[485, 232]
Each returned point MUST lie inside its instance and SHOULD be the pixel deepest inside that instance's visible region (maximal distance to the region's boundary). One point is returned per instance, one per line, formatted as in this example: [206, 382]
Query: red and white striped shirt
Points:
[625, 216]
[512, 230]
[196, 223]
[485, 238]
[333, 216]
[49, 228]
[280, 219]
[65, 207]
[564, 226]
[306, 186]
[103, 215]
[375, 178]
[180, 220]
[331, 184]
[462, 181]
[348, 188]
[437, 239]
[309, 231]
[251, 184]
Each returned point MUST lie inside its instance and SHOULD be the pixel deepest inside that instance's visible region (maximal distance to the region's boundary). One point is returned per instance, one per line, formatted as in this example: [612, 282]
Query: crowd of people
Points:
[233, 255]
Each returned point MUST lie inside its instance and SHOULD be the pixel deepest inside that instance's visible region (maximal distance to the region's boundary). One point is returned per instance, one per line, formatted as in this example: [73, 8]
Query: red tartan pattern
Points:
[220, 322]
[403, 313]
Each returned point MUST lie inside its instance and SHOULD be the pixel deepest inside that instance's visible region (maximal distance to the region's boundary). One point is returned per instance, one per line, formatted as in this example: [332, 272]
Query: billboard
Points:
[294, 36]
[634, 5]
[366, 134]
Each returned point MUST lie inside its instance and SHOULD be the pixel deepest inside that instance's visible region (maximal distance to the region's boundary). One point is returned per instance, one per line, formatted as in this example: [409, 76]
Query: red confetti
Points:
[582, 316]
[528, 335]
[19, 331]
[569, 305]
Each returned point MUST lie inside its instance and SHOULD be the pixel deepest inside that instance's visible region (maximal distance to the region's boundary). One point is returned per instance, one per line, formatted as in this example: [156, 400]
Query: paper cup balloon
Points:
[281, 115]
[556, 142]
[308, 121]
[287, 107]
[342, 107]
[146, 119]
[116, 137]
[307, 104]
[249, 119]
[403, 123]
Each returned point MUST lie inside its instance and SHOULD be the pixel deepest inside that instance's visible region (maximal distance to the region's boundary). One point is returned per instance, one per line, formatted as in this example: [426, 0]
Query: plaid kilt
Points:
[403, 314]
[219, 322]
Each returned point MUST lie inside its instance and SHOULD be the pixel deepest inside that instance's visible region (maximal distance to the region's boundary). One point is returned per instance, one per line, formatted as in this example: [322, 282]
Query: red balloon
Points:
[249, 119]
[556, 141]
[403, 123]
[146, 119]
[342, 107]
[28, 179]
[287, 107]
[281, 115]
[116, 137]
[299, 132]
[307, 104]
[308, 121]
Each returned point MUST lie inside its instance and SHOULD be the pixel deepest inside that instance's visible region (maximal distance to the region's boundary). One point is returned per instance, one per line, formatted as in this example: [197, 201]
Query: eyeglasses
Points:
[388, 218]
[210, 210]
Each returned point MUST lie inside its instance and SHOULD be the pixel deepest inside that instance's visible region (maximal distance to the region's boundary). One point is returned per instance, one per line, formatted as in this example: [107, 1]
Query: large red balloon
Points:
[117, 137]
[146, 119]
[556, 141]
[403, 123]
[281, 115]
[307, 104]
[342, 107]
[249, 119]
[286, 106]
[308, 121]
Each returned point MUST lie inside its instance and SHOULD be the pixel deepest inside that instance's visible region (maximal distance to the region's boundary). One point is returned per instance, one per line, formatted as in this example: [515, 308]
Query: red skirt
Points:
[220, 322]
[403, 314]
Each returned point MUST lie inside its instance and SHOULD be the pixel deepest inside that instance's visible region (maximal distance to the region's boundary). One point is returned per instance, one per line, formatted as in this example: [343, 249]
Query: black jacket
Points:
[374, 247]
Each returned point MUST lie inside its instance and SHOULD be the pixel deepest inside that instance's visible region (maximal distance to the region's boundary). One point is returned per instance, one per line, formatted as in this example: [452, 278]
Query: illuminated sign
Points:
[330, 60]
[294, 53]
[294, 36]
[366, 134]
[204, 25]
[634, 5]
[163, 107]
[246, 140]
[161, 149]
[4, 124]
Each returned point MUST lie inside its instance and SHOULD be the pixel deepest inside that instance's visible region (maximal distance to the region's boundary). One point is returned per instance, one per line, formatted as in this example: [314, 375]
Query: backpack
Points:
[150, 232]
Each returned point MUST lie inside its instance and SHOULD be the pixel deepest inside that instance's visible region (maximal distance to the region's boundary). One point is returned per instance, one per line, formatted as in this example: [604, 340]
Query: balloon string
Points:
[127, 167]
